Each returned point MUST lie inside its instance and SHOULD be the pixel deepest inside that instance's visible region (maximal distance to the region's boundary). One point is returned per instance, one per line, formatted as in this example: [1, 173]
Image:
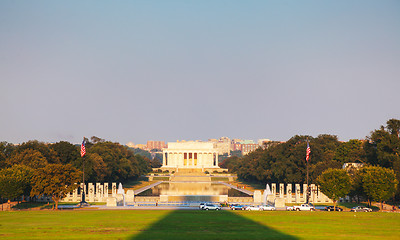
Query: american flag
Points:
[83, 149]
[308, 152]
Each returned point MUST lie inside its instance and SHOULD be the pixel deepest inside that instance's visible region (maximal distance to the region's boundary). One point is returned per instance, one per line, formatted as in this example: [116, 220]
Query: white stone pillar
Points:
[74, 195]
[297, 193]
[289, 193]
[273, 188]
[257, 197]
[305, 192]
[114, 189]
[105, 192]
[91, 192]
[281, 190]
[173, 159]
[312, 195]
[163, 158]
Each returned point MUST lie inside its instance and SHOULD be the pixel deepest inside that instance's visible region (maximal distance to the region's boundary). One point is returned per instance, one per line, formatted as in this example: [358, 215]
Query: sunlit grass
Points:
[194, 224]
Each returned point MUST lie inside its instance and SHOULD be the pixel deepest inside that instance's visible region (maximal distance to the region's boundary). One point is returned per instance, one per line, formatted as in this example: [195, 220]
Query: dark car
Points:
[237, 207]
[332, 208]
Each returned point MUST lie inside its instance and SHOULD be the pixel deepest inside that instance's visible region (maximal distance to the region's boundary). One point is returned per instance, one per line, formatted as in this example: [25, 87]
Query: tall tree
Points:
[6, 150]
[55, 180]
[28, 157]
[15, 181]
[43, 148]
[66, 152]
[350, 152]
[334, 183]
[379, 184]
[383, 148]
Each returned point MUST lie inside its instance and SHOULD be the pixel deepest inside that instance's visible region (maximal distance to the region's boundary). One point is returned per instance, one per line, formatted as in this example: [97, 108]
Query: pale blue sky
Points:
[167, 70]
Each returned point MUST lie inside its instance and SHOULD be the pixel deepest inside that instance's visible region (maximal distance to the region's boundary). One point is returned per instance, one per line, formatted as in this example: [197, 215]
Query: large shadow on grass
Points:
[197, 224]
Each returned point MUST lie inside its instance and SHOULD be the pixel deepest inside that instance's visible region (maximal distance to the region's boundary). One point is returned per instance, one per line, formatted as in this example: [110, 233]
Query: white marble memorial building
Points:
[191, 155]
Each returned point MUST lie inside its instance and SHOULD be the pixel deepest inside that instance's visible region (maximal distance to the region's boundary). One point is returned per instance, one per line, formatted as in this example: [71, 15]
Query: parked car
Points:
[201, 206]
[332, 208]
[237, 207]
[253, 208]
[289, 208]
[361, 209]
[209, 206]
[304, 207]
[267, 208]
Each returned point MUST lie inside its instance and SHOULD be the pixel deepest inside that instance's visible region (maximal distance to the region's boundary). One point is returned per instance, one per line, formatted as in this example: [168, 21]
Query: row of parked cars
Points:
[310, 207]
[302, 207]
[253, 207]
[210, 206]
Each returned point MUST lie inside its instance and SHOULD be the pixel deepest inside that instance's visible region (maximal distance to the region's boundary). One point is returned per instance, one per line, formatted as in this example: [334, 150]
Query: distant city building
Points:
[236, 146]
[262, 141]
[155, 145]
[141, 146]
[223, 145]
[249, 147]
[198, 155]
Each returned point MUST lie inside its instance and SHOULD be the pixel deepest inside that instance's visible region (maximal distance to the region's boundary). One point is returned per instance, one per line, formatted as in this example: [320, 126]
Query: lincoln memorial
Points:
[190, 155]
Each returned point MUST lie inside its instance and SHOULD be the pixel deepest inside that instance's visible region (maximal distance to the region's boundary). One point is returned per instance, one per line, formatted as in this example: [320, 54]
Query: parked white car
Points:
[304, 207]
[361, 209]
[267, 208]
[209, 206]
[253, 208]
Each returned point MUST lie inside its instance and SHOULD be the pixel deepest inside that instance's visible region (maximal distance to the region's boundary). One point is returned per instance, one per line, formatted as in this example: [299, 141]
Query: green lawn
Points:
[195, 224]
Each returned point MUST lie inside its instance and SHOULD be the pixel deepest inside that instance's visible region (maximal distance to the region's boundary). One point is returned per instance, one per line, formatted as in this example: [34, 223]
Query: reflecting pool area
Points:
[192, 189]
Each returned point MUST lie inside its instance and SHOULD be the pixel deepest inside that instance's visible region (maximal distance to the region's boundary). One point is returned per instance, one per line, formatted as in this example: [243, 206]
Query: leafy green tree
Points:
[156, 162]
[383, 148]
[66, 152]
[6, 150]
[28, 157]
[393, 126]
[318, 168]
[55, 180]
[285, 162]
[334, 183]
[15, 181]
[350, 152]
[356, 176]
[120, 162]
[379, 184]
[230, 163]
[43, 148]
[141, 152]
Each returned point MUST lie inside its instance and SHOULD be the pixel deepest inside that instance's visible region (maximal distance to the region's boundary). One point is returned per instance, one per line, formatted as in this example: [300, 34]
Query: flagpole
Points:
[308, 188]
[83, 203]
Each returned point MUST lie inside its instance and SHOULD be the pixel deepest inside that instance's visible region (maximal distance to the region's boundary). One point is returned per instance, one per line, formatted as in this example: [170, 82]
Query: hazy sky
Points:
[168, 70]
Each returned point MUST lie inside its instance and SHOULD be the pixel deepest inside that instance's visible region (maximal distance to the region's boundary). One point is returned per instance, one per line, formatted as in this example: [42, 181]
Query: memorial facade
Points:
[190, 155]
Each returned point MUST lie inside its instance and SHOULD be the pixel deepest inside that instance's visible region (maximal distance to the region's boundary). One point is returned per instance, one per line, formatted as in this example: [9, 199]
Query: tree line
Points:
[35, 168]
[285, 162]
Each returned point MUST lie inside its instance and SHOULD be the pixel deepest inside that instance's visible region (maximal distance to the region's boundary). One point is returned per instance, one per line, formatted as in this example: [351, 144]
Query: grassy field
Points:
[195, 224]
